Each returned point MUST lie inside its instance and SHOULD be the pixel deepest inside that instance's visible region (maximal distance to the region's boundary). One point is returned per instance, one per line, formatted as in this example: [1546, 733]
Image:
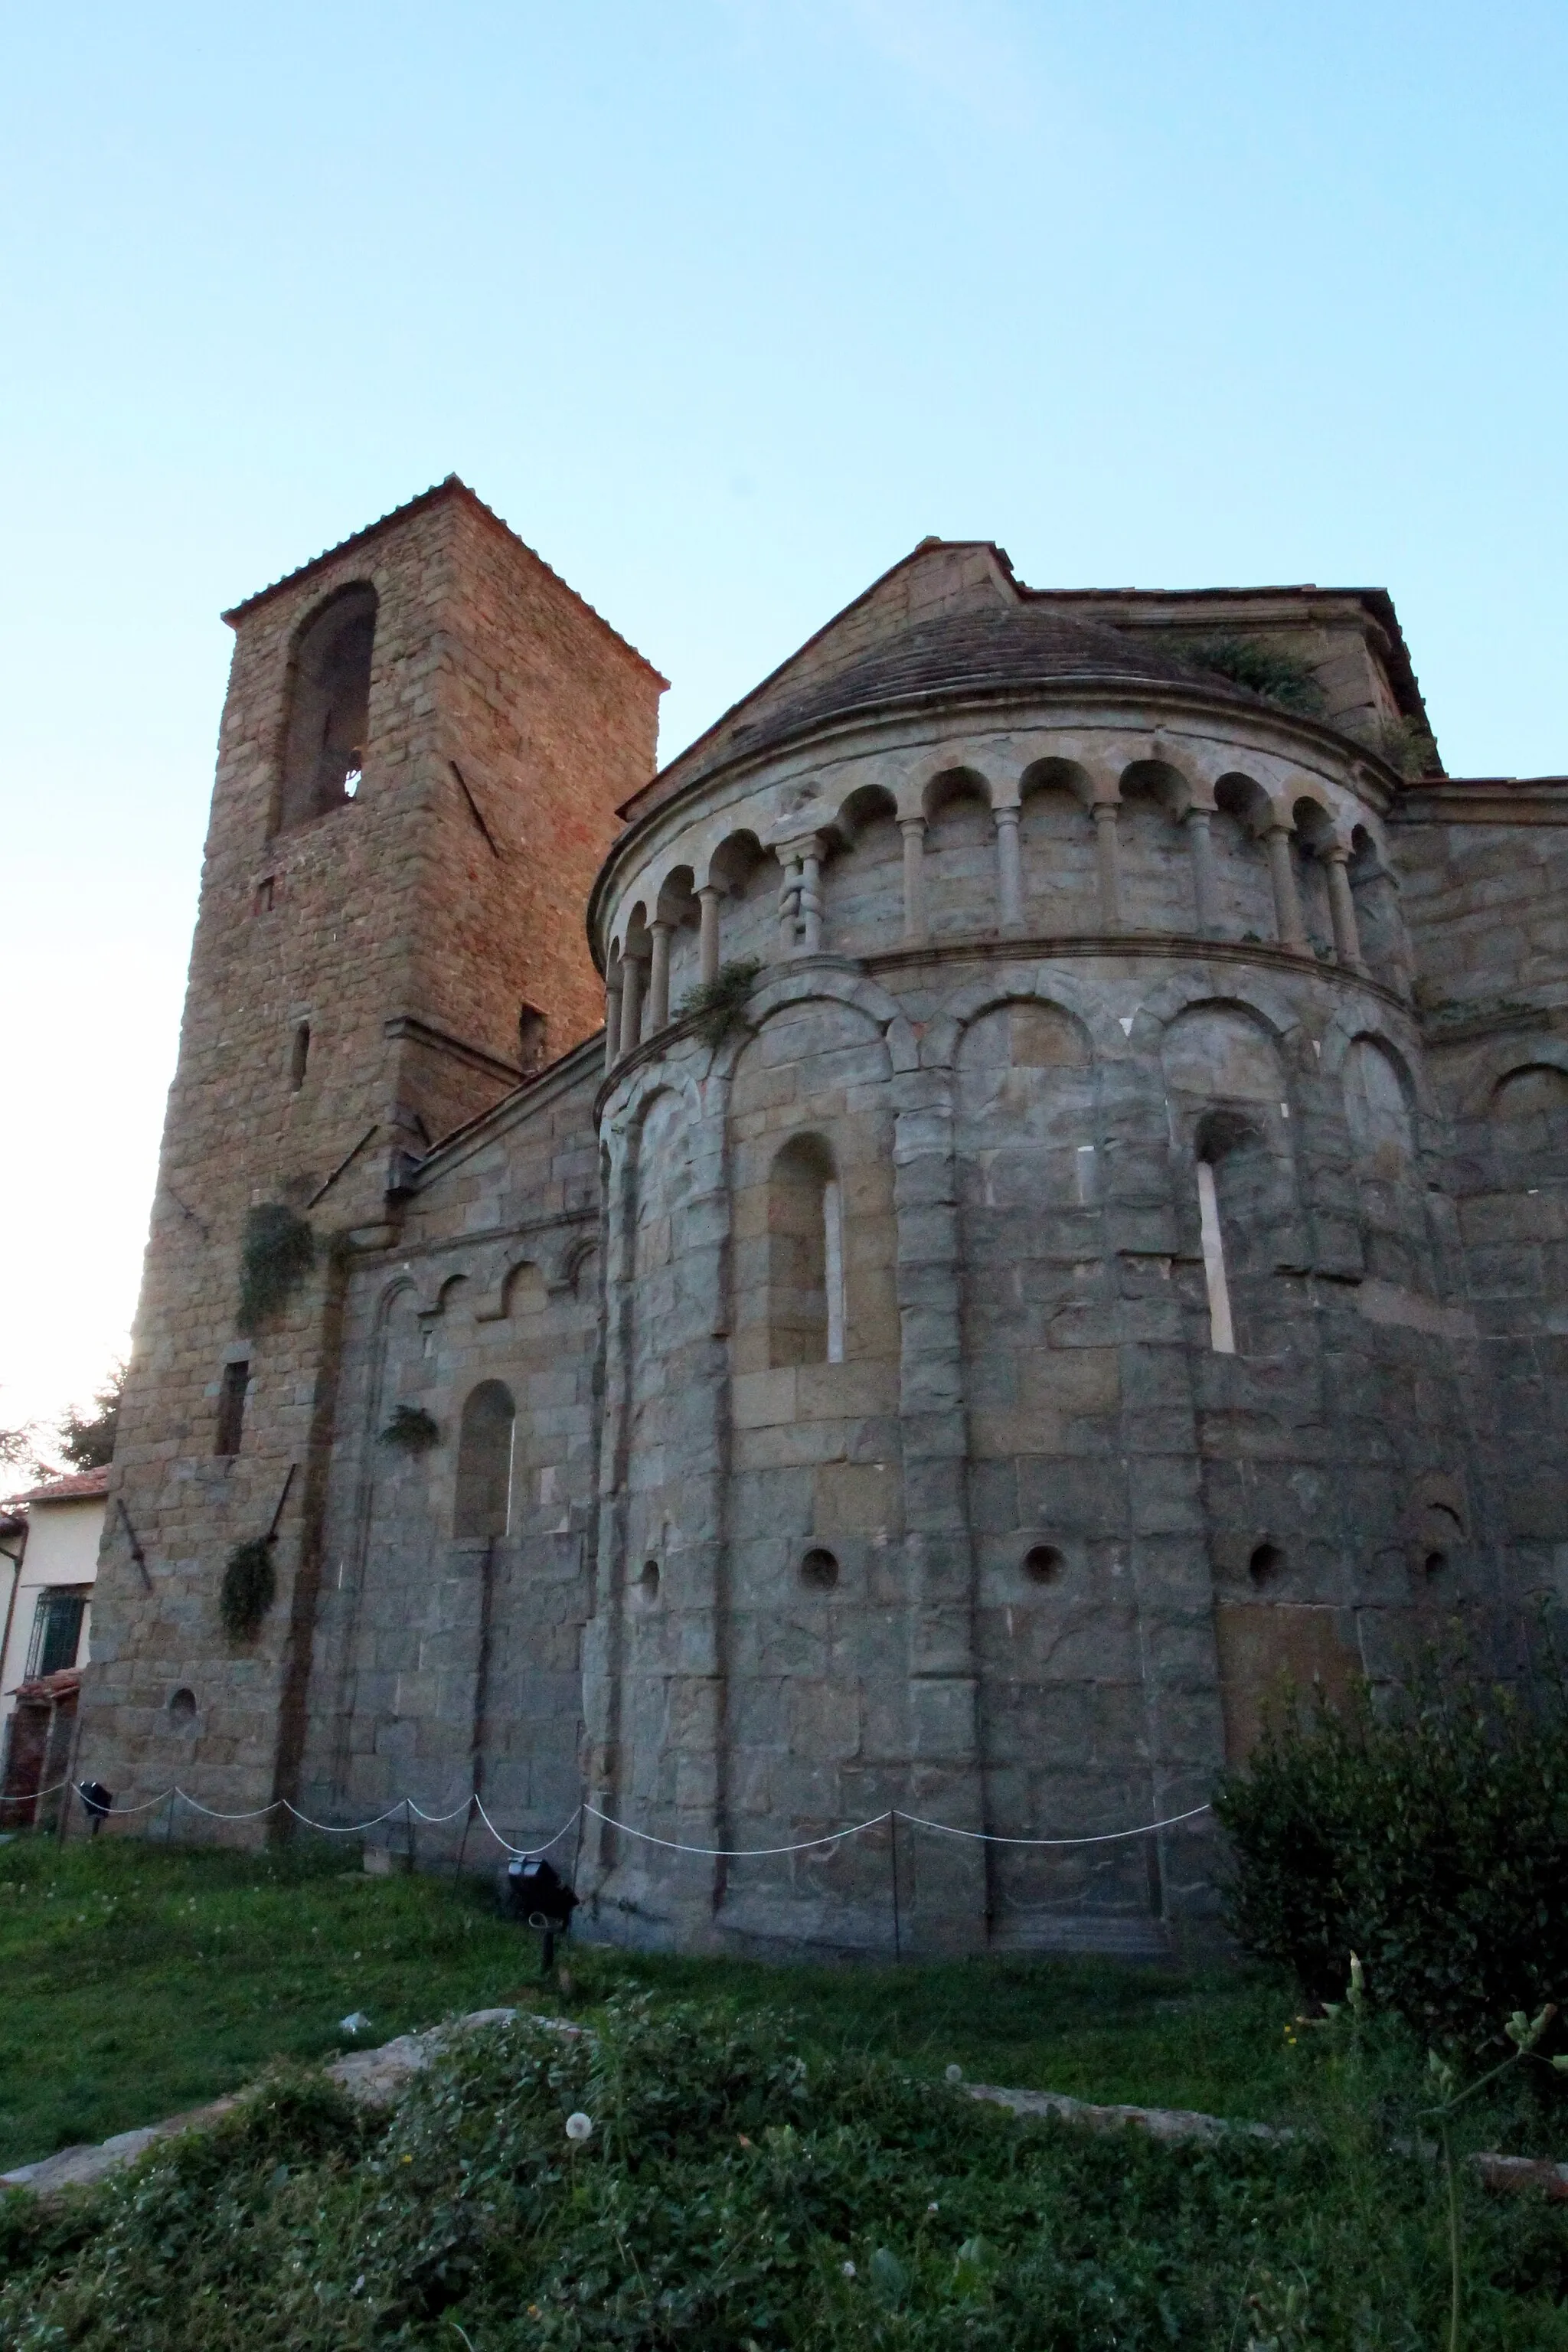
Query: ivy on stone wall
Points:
[249, 1587]
[277, 1253]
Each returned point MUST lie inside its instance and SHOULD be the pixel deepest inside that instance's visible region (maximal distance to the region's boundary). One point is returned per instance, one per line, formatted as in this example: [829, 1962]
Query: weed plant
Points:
[729, 2191]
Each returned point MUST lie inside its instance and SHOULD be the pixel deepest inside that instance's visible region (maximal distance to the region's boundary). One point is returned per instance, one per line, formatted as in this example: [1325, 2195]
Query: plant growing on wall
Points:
[1265, 670]
[249, 1587]
[716, 1005]
[1409, 746]
[277, 1253]
[412, 1430]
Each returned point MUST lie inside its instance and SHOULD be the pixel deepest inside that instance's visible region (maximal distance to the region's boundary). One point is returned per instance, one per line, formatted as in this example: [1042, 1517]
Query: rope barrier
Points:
[737, 1852]
[894, 1814]
[575, 1816]
[1105, 1837]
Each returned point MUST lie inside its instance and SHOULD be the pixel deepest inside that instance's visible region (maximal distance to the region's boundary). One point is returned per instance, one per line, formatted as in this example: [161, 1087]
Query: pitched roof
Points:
[975, 651]
[951, 618]
[77, 1486]
[451, 486]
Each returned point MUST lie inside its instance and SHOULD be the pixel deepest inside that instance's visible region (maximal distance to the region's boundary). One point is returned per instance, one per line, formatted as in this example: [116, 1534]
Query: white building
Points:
[49, 1594]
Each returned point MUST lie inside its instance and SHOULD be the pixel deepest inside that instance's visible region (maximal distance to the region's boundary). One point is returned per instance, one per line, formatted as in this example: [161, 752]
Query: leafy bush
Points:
[249, 1587]
[1430, 1842]
[732, 2196]
[1263, 669]
[277, 1253]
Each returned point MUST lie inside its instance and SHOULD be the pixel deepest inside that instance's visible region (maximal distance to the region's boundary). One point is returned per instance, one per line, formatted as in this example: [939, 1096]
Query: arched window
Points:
[806, 1256]
[329, 709]
[484, 1462]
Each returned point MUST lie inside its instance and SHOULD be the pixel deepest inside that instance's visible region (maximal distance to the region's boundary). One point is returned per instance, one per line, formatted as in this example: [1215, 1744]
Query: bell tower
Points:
[425, 742]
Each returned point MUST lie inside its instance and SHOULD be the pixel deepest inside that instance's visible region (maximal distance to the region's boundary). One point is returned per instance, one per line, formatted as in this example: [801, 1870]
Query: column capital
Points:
[795, 847]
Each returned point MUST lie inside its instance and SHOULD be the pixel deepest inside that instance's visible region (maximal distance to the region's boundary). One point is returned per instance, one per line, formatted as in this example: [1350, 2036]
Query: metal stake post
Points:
[893, 1859]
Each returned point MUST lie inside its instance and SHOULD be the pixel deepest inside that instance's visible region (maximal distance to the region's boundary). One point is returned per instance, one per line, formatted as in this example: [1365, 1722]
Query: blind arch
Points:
[484, 1444]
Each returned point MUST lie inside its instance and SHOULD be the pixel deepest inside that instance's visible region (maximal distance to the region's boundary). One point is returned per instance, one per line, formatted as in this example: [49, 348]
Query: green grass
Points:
[736, 2191]
[139, 1979]
[756, 2129]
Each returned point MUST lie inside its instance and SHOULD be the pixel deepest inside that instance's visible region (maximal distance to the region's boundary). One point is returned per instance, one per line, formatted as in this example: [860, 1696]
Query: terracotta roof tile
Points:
[78, 1486]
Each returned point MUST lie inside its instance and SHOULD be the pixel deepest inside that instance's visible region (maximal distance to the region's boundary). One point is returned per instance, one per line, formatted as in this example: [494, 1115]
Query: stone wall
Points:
[449, 1662]
[1483, 870]
[403, 926]
[1115, 1254]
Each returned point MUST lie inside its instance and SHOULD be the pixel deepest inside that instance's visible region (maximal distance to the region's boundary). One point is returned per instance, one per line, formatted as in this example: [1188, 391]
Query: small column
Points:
[1009, 870]
[811, 896]
[789, 901]
[1109, 864]
[611, 1015]
[914, 829]
[1287, 902]
[658, 977]
[1205, 894]
[631, 1004]
[707, 934]
[1342, 909]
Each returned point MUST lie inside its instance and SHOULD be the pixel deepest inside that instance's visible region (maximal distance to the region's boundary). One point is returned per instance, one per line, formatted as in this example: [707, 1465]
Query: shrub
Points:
[1265, 670]
[277, 1253]
[1430, 1840]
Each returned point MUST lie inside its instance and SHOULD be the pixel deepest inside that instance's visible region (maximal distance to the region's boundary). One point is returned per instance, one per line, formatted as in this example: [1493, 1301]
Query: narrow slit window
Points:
[530, 1029]
[806, 1256]
[1222, 1331]
[299, 1057]
[231, 1408]
[833, 1266]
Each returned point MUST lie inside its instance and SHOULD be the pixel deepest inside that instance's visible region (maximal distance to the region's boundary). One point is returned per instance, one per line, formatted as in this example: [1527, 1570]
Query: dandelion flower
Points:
[579, 2126]
[955, 2073]
[849, 2270]
[933, 2207]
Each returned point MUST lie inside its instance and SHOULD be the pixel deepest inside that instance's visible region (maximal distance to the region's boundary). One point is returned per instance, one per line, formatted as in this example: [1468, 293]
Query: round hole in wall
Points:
[1435, 1562]
[819, 1569]
[648, 1583]
[1043, 1563]
[183, 1710]
[1266, 1563]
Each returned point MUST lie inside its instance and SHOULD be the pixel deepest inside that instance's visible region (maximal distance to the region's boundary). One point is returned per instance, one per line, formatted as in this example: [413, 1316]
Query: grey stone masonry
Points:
[1098, 1242]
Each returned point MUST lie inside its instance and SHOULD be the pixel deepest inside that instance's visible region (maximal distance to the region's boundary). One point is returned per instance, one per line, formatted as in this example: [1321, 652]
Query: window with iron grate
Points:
[57, 1631]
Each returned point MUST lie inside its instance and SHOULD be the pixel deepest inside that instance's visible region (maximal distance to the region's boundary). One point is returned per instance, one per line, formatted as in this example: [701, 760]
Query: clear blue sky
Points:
[723, 304]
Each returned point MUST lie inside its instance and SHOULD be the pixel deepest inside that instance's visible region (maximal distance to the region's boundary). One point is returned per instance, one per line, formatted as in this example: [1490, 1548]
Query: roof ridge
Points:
[449, 485]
